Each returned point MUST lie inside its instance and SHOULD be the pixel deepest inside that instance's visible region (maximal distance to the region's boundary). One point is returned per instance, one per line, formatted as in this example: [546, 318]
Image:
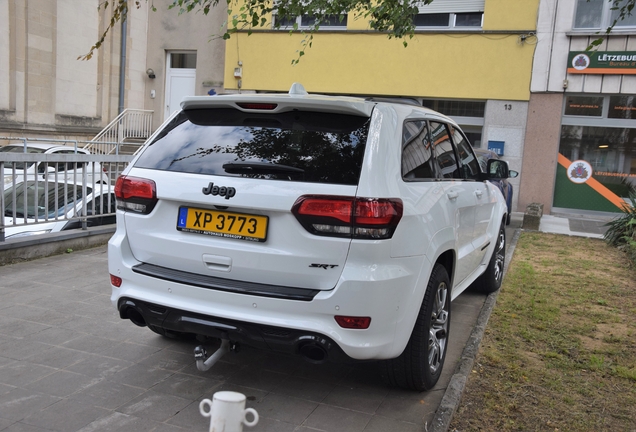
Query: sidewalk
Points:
[69, 363]
[575, 225]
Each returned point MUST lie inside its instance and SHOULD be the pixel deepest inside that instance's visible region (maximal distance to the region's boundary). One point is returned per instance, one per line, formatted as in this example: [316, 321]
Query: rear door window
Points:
[298, 146]
[444, 151]
[417, 152]
[470, 165]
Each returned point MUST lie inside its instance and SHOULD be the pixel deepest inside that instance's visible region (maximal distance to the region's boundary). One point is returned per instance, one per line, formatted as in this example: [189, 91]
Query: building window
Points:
[456, 108]
[328, 22]
[450, 14]
[597, 14]
[448, 20]
[183, 60]
[587, 106]
[468, 114]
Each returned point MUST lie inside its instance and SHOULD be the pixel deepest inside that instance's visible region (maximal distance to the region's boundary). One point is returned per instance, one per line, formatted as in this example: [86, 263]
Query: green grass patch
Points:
[559, 351]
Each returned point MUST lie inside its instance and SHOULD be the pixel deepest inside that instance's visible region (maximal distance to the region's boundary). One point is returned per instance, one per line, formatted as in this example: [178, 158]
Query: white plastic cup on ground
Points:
[227, 412]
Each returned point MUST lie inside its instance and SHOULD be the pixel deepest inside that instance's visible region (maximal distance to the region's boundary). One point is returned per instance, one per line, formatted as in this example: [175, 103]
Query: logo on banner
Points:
[580, 62]
[579, 171]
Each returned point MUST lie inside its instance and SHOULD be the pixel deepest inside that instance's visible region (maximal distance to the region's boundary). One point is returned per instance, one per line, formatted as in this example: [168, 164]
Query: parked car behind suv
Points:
[483, 156]
[56, 171]
[335, 228]
[36, 207]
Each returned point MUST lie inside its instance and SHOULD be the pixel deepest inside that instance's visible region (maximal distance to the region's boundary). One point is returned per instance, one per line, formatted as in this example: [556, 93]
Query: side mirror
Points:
[497, 169]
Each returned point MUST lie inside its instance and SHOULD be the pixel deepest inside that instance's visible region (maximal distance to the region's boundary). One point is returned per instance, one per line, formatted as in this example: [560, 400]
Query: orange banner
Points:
[596, 185]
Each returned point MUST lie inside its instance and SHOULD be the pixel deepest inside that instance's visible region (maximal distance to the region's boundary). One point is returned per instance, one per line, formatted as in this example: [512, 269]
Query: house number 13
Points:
[507, 107]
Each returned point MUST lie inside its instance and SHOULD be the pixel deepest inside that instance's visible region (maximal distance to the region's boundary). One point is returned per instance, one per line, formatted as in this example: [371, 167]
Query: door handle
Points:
[479, 193]
[452, 195]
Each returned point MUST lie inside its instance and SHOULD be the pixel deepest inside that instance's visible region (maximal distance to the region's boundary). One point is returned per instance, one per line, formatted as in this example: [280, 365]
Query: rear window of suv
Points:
[298, 145]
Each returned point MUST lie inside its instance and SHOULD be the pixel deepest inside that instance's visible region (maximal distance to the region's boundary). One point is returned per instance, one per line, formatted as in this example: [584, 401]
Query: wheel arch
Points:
[447, 259]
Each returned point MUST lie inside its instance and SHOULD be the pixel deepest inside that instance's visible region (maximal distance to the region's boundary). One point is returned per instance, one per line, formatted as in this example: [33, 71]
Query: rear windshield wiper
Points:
[259, 168]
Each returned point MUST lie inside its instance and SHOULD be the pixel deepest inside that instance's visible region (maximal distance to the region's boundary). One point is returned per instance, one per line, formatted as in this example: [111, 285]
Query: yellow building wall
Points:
[511, 14]
[478, 65]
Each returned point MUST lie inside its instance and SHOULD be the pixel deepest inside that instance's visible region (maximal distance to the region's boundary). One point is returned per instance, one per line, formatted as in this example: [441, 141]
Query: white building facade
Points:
[580, 147]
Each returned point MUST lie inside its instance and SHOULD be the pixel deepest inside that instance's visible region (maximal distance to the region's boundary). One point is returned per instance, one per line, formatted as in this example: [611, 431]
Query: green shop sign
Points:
[602, 62]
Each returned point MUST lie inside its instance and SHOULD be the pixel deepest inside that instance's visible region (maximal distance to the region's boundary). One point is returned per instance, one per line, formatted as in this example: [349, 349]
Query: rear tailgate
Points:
[289, 256]
[220, 169]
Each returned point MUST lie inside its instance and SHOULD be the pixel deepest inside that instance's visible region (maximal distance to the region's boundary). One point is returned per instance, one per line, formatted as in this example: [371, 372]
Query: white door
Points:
[180, 79]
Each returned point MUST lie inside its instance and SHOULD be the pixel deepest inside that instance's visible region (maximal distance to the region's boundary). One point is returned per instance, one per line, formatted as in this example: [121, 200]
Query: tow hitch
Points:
[200, 354]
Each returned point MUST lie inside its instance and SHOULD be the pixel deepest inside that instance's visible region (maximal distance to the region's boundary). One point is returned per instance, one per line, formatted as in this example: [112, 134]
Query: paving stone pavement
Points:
[69, 363]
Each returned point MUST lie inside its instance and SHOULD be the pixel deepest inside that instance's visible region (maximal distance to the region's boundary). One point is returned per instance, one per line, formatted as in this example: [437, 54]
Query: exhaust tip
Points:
[313, 353]
[135, 316]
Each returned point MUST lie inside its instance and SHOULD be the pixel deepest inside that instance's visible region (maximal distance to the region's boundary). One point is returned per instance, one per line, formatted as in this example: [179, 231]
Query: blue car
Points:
[505, 187]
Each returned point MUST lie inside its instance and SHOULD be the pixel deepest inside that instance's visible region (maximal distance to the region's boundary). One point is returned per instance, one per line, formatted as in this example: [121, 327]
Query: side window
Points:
[470, 165]
[101, 205]
[443, 151]
[71, 165]
[417, 152]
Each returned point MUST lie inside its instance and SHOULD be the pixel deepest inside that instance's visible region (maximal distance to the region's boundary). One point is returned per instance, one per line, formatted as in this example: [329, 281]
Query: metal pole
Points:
[122, 64]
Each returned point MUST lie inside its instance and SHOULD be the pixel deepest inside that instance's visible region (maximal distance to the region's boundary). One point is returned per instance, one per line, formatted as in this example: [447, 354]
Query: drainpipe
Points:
[122, 65]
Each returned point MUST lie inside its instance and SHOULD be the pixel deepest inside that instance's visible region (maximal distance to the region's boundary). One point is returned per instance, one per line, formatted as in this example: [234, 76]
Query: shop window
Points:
[622, 107]
[589, 106]
[610, 151]
[597, 14]
[596, 167]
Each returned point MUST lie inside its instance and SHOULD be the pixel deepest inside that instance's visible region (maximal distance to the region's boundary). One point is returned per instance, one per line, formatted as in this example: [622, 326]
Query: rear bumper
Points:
[390, 293]
[259, 336]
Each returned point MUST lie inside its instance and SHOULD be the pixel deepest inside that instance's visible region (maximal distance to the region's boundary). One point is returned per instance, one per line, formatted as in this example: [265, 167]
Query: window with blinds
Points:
[450, 14]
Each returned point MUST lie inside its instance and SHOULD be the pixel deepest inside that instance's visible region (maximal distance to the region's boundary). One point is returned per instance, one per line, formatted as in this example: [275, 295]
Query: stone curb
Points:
[453, 395]
[43, 245]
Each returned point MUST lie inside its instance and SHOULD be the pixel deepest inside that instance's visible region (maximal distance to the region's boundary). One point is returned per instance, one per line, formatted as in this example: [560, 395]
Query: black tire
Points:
[171, 334]
[420, 365]
[508, 217]
[490, 280]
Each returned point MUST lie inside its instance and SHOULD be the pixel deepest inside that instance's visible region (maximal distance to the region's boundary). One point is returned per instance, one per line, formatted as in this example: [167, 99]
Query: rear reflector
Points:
[359, 323]
[115, 281]
[361, 218]
[135, 194]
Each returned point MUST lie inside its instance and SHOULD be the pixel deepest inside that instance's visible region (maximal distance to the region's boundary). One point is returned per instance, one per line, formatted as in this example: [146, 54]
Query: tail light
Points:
[135, 194]
[350, 217]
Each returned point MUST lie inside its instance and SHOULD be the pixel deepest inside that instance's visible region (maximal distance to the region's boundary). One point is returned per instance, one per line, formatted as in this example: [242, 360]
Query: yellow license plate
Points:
[238, 226]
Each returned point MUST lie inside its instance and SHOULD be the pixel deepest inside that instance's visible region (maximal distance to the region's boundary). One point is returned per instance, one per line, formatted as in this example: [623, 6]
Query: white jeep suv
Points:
[335, 228]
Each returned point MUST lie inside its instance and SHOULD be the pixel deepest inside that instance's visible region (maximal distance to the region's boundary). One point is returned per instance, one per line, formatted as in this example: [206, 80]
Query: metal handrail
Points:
[131, 123]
